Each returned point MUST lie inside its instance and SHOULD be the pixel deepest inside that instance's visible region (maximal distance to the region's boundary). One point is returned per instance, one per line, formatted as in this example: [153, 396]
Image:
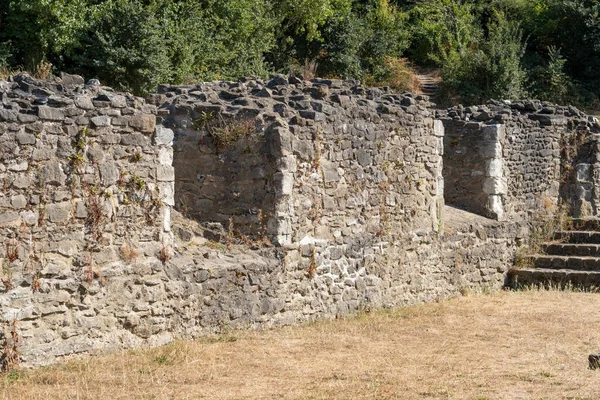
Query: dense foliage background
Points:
[482, 49]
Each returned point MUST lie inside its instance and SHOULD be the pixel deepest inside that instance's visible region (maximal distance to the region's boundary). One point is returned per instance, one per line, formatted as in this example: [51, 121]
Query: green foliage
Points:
[479, 45]
[37, 29]
[124, 48]
[551, 82]
[492, 69]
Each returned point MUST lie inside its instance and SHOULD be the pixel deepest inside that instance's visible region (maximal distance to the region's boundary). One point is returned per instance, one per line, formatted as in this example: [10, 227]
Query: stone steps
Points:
[566, 262]
[587, 237]
[571, 249]
[572, 260]
[560, 278]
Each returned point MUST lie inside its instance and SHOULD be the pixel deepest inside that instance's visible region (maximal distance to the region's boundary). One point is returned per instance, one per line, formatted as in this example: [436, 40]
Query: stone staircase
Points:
[429, 82]
[572, 259]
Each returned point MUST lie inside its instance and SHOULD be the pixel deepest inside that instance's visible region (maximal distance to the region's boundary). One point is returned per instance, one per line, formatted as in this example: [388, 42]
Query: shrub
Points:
[124, 48]
[397, 73]
[492, 69]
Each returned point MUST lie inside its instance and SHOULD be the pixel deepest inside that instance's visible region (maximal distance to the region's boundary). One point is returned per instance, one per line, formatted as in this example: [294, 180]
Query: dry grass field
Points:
[506, 345]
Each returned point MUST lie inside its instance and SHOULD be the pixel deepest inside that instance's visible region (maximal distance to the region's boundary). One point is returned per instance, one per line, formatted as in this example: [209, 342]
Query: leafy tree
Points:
[493, 69]
[38, 30]
[123, 48]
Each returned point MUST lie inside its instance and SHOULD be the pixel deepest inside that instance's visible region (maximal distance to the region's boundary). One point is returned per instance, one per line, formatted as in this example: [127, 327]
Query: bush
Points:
[491, 70]
[551, 82]
[124, 48]
[398, 74]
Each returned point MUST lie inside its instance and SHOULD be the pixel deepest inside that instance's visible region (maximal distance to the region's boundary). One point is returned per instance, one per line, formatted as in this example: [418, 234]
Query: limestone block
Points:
[330, 171]
[109, 173]
[491, 149]
[29, 217]
[51, 114]
[18, 202]
[493, 185]
[165, 156]
[25, 138]
[52, 174]
[59, 213]
[163, 136]
[19, 166]
[165, 173]
[495, 207]
[494, 168]
[167, 190]
[364, 157]
[135, 139]
[166, 212]
[101, 121]
[7, 115]
[285, 182]
[583, 172]
[144, 123]
[84, 102]
[80, 210]
[438, 128]
[8, 218]
[494, 133]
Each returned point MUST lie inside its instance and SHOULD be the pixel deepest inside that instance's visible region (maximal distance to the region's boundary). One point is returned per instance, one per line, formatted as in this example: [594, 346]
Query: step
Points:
[590, 237]
[586, 224]
[553, 277]
[566, 262]
[571, 249]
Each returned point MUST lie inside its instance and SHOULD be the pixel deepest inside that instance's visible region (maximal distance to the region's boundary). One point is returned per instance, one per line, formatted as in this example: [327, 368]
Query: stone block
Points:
[494, 168]
[52, 174]
[493, 185]
[59, 213]
[144, 123]
[165, 173]
[51, 114]
[19, 166]
[330, 171]
[163, 136]
[18, 202]
[583, 172]
[25, 138]
[84, 102]
[101, 121]
[109, 173]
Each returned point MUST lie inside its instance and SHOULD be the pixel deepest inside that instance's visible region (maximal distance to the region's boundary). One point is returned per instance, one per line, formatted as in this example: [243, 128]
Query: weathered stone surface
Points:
[59, 213]
[51, 114]
[163, 136]
[144, 123]
[52, 174]
[101, 121]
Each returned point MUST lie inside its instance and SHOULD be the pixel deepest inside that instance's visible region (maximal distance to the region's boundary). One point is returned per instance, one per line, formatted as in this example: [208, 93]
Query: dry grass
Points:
[523, 345]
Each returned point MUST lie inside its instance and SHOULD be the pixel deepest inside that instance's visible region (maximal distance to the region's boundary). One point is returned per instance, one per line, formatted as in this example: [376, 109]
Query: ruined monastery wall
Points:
[254, 203]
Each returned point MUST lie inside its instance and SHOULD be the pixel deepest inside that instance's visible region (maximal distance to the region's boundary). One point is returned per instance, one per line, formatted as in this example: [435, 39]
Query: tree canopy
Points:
[483, 49]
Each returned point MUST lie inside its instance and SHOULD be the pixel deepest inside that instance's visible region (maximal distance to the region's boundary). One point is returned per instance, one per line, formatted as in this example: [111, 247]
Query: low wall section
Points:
[515, 160]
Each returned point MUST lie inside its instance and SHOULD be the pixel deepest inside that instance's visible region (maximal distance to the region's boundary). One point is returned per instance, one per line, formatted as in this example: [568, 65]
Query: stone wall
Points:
[345, 182]
[504, 160]
[87, 181]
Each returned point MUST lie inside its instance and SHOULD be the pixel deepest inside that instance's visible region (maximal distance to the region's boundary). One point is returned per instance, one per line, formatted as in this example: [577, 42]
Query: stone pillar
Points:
[438, 205]
[494, 185]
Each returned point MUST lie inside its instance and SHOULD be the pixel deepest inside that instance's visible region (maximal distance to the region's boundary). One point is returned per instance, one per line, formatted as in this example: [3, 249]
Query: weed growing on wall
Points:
[224, 132]
[10, 338]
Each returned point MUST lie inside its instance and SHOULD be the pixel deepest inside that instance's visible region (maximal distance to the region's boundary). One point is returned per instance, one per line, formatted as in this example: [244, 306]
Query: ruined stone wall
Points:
[513, 153]
[87, 181]
[345, 181]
